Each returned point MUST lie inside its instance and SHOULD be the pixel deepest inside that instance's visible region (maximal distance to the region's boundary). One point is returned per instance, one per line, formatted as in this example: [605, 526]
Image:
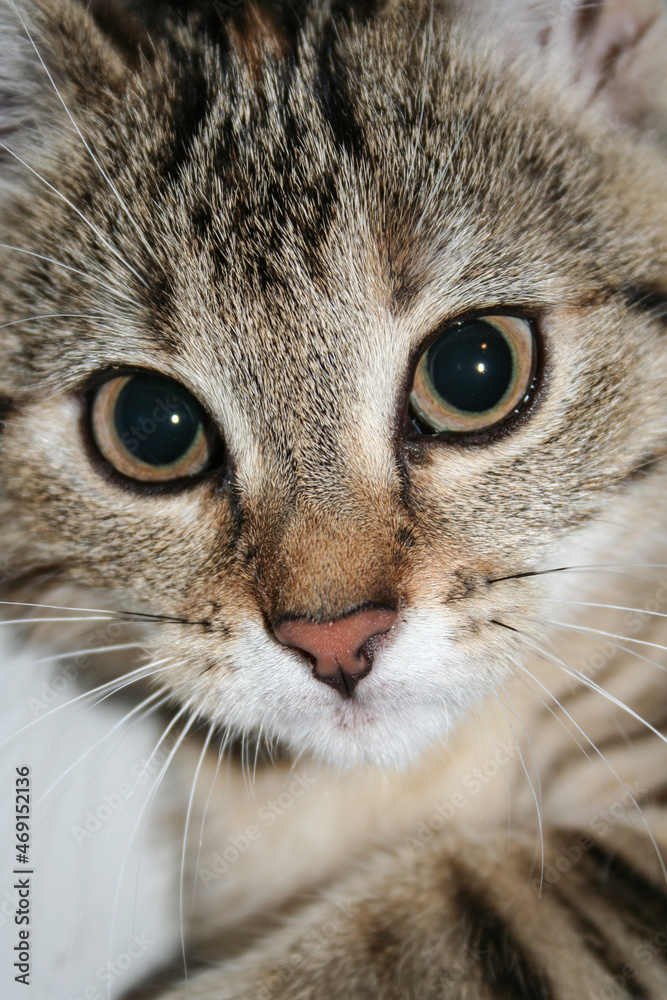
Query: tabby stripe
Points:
[651, 301]
[189, 109]
[658, 797]
[627, 890]
[6, 407]
[604, 951]
[504, 966]
[332, 94]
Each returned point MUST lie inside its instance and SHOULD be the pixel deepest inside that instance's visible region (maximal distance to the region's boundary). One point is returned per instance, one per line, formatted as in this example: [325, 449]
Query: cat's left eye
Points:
[475, 375]
[150, 428]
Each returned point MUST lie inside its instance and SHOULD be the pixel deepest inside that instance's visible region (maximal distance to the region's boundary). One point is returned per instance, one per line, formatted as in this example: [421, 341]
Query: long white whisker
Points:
[507, 784]
[610, 607]
[100, 236]
[204, 751]
[257, 742]
[148, 803]
[104, 174]
[578, 675]
[536, 799]
[64, 607]
[80, 618]
[93, 651]
[67, 267]
[121, 722]
[221, 750]
[548, 707]
[605, 761]
[624, 649]
[117, 684]
[597, 631]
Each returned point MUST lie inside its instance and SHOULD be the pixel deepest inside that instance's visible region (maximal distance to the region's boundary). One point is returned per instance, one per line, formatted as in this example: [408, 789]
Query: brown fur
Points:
[281, 227]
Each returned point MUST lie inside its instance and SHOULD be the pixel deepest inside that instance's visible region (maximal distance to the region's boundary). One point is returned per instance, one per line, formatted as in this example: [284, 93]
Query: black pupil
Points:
[471, 367]
[156, 419]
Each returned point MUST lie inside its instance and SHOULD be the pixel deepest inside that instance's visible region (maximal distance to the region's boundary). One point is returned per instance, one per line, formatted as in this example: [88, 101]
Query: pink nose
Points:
[342, 650]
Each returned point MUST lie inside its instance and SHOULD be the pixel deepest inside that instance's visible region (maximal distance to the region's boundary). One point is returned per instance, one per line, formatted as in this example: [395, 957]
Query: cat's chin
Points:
[363, 737]
[424, 678]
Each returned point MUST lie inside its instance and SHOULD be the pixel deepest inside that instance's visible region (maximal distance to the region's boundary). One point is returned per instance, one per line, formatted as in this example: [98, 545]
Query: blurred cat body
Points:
[277, 214]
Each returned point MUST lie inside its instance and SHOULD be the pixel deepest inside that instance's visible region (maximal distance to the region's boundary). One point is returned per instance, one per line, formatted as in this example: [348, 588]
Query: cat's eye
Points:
[150, 428]
[475, 375]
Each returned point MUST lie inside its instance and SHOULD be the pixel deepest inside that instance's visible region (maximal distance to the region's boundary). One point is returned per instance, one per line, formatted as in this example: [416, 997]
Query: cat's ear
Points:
[50, 49]
[618, 49]
[615, 50]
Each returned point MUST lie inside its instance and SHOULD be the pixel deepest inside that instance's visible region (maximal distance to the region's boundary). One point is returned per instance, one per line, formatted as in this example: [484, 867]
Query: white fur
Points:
[76, 873]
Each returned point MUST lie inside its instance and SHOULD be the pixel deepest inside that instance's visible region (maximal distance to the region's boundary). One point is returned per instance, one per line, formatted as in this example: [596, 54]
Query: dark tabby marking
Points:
[641, 902]
[506, 970]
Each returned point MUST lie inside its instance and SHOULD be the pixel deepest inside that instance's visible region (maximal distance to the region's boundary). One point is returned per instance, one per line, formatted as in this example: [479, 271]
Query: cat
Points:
[332, 403]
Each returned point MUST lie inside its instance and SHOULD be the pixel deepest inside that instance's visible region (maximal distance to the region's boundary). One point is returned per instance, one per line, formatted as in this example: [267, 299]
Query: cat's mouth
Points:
[400, 691]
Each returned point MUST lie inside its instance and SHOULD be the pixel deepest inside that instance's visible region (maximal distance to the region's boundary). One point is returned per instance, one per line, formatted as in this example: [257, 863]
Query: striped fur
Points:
[277, 205]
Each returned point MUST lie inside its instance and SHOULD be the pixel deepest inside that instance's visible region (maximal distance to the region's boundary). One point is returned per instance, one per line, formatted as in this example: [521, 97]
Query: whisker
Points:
[140, 615]
[601, 755]
[90, 749]
[90, 152]
[67, 267]
[148, 803]
[34, 319]
[224, 742]
[537, 800]
[92, 651]
[117, 684]
[548, 707]
[257, 742]
[596, 631]
[100, 236]
[591, 568]
[204, 751]
[587, 682]
[81, 618]
[616, 645]
[610, 607]
[507, 784]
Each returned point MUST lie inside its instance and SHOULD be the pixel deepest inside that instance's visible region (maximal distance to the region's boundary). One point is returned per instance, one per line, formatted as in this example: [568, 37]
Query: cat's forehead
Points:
[313, 202]
[311, 185]
[321, 212]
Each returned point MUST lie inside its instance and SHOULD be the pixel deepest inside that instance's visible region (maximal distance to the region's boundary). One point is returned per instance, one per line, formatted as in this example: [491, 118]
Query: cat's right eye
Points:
[150, 428]
[475, 375]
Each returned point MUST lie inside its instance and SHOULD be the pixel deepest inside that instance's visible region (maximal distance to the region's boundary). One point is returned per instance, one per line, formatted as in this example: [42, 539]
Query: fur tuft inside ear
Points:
[618, 50]
[614, 51]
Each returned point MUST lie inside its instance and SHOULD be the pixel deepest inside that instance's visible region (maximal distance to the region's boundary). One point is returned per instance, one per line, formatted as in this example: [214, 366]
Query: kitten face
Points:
[284, 239]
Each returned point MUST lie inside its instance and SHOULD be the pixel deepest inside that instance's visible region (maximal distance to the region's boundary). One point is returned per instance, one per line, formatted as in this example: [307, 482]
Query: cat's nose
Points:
[342, 650]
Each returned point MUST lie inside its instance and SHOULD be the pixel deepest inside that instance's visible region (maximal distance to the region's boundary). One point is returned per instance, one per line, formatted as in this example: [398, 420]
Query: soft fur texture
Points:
[277, 209]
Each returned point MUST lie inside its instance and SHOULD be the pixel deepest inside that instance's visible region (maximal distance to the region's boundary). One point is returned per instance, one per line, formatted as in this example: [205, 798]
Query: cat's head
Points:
[309, 339]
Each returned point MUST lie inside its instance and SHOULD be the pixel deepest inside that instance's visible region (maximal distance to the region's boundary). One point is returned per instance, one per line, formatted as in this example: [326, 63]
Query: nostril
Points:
[341, 650]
